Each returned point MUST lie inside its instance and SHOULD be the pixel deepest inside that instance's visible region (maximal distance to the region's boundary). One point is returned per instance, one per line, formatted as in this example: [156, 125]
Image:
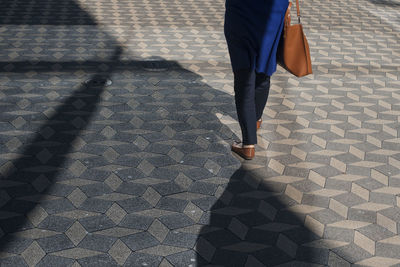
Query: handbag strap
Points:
[298, 10]
[287, 15]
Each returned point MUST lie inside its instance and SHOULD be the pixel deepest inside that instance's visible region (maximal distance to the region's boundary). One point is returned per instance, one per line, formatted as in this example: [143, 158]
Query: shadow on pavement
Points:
[254, 224]
[43, 12]
[40, 162]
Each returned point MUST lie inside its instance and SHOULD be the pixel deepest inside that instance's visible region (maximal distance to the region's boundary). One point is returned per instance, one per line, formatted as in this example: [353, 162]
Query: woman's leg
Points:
[261, 93]
[244, 85]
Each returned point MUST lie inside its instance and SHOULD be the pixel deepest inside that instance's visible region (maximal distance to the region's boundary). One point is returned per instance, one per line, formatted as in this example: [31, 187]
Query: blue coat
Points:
[252, 30]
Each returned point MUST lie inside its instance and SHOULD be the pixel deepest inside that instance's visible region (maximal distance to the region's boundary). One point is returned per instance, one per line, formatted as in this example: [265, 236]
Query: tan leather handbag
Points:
[293, 50]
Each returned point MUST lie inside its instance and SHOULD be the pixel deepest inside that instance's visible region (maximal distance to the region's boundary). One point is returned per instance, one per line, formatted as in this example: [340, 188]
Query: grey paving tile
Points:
[161, 161]
[226, 257]
[340, 234]
[50, 260]
[140, 259]
[96, 223]
[205, 203]
[203, 188]
[96, 205]
[349, 199]
[251, 219]
[352, 253]
[56, 223]
[168, 188]
[13, 261]
[338, 184]
[392, 213]
[361, 215]
[136, 222]
[97, 189]
[262, 236]
[130, 174]
[18, 205]
[16, 245]
[178, 239]
[131, 188]
[176, 221]
[158, 148]
[220, 238]
[313, 255]
[10, 225]
[272, 256]
[57, 206]
[61, 190]
[300, 236]
[315, 200]
[387, 250]
[164, 173]
[335, 260]
[186, 258]
[358, 170]
[326, 216]
[194, 160]
[139, 241]
[134, 204]
[285, 216]
[369, 184]
[55, 243]
[172, 204]
[97, 242]
[375, 232]
[93, 174]
[99, 260]
[198, 174]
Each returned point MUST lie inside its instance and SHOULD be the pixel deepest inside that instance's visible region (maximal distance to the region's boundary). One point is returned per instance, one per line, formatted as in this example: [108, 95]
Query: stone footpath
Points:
[115, 124]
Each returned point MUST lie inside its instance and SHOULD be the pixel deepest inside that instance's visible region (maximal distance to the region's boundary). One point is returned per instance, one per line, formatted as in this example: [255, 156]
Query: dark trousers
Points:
[251, 94]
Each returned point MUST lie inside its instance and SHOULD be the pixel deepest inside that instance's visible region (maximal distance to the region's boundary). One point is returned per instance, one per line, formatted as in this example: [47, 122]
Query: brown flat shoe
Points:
[259, 124]
[247, 153]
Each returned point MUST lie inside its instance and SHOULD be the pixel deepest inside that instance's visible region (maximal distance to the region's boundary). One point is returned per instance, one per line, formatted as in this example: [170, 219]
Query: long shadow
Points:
[43, 12]
[254, 223]
[42, 160]
[25, 180]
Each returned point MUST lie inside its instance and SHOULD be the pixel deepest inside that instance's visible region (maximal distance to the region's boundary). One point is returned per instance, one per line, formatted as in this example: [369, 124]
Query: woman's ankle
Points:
[247, 146]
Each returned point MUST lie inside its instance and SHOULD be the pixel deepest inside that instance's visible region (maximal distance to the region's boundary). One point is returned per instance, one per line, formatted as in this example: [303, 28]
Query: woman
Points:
[252, 30]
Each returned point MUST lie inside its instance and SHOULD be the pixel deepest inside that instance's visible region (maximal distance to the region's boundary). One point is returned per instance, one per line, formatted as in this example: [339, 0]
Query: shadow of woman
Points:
[254, 224]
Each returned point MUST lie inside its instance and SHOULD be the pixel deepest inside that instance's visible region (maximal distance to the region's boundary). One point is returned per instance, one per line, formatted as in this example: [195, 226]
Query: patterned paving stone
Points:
[138, 172]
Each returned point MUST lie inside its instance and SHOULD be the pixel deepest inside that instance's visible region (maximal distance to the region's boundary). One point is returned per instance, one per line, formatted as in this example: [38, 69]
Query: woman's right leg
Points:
[244, 86]
[261, 93]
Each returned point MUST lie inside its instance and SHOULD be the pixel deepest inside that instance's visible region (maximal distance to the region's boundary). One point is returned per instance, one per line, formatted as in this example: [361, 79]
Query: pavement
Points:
[115, 124]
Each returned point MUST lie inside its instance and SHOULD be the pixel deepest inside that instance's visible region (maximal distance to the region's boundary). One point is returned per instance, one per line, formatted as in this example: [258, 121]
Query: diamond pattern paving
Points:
[115, 124]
